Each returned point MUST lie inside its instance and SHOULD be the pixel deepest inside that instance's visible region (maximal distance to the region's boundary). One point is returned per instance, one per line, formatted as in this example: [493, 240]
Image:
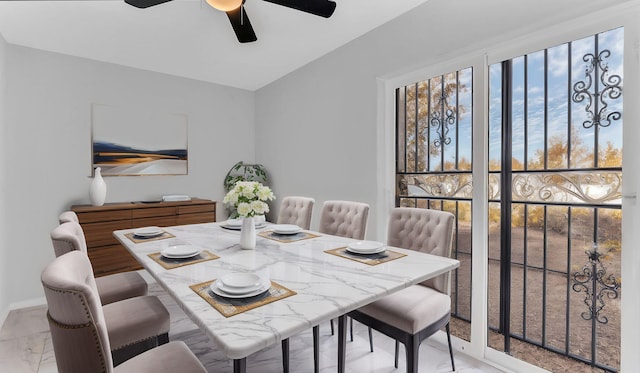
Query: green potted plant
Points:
[243, 172]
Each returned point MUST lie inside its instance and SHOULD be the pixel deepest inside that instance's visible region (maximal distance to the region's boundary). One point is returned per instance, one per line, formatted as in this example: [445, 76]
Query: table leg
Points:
[316, 349]
[342, 342]
[240, 365]
[285, 355]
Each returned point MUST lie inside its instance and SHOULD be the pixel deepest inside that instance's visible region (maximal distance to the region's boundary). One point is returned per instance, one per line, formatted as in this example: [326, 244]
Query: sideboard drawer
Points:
[111, 259]
[154, 212]
[162, 221]
[193, 209]
[100, 234]
[104, 215]
[204, 217]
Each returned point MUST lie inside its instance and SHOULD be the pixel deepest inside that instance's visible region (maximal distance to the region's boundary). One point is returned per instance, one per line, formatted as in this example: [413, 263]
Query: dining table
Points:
[311, 278]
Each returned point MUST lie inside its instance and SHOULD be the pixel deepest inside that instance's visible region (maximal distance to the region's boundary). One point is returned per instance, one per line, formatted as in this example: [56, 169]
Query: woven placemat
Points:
[169, 263]
[287, 237]
[370, 259]
[137, 239]
[233, 306]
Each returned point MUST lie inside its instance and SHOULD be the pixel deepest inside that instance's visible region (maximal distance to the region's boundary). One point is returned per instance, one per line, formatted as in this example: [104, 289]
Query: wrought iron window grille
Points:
[596, 75]
[441, 120]
[596, 284]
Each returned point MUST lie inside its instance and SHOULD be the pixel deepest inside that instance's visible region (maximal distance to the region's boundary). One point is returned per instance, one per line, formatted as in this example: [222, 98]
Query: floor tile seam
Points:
[44, 346]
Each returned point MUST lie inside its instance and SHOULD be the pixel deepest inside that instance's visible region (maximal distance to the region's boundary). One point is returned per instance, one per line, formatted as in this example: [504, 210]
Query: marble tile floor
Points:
[25, 347]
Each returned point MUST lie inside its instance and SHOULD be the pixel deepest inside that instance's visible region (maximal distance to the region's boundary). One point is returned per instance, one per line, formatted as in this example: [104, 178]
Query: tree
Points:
[423, 101]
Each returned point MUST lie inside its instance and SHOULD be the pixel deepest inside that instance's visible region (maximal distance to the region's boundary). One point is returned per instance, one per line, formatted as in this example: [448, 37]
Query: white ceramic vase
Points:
[97, 189]
[248, 234]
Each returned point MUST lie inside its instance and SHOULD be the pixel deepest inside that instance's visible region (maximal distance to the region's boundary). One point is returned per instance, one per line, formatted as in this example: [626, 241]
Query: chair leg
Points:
[316, 349]
[395, 363]
[412, 348]
[453, 365]
[285, 355]
[331, 321]
[370, 340]
[351, 328]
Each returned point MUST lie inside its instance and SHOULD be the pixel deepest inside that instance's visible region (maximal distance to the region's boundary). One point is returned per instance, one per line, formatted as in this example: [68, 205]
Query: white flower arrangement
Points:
[249, 199]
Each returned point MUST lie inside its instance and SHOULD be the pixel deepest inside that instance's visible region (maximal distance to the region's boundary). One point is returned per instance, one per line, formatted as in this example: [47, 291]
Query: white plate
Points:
[238, 291]
[286, 229]
[226, 225]
[148, 232]
[264, 286]
[233, 223]
[376, 251]
[366, 247]
[180, 251]
[240, 280]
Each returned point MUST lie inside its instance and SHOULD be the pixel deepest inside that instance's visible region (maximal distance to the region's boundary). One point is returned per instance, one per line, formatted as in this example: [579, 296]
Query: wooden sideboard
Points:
[98, 223]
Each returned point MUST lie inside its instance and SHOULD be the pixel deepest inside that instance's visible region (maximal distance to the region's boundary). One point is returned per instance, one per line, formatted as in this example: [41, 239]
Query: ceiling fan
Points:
[238, 15]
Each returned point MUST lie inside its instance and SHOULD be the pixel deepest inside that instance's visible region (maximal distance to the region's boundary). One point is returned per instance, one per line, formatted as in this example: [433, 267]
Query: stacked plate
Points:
[147, 232]
[180, 251]
[366, 247]
[240, 285]
[286, 229]
[236, 224]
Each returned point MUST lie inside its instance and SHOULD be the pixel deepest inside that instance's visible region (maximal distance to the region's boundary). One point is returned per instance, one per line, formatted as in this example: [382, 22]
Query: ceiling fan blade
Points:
[145, 3]
[322, 8]
[241, 25]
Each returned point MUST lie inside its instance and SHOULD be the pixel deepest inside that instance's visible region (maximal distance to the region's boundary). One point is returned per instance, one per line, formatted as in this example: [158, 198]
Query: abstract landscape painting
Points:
[128, 141]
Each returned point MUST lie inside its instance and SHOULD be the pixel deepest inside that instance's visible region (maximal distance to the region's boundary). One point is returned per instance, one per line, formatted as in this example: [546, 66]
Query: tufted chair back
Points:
[344, 218]
[296, 210]
[68, 216]
[68, 237]
[75, 315]
[425, 230]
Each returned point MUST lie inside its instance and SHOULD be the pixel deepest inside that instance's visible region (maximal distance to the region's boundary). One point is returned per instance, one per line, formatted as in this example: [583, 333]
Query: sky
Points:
[559, 92]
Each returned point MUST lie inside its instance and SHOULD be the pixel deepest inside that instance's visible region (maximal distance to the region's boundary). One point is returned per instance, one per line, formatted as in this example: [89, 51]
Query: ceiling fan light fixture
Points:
[225, 5]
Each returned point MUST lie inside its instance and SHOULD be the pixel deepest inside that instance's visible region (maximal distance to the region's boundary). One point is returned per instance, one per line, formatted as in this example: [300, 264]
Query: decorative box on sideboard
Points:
[98, 223]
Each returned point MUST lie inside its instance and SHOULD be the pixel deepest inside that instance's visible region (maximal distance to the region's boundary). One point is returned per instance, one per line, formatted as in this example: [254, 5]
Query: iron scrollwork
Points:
[455, 185]
[597, 285]
[570, 187]
[441, 120]
[596, 73]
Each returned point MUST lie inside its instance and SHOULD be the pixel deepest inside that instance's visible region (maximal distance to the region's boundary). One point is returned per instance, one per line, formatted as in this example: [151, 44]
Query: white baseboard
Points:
[3, 316]
[35, 302]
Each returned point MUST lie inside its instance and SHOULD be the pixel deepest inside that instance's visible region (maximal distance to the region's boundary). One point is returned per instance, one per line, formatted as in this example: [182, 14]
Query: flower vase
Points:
[97, 189]
[259, 219]
[248, 234]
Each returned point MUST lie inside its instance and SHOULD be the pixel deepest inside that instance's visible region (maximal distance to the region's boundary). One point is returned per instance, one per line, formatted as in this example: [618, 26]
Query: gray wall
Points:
[4, 264]
[48, 130]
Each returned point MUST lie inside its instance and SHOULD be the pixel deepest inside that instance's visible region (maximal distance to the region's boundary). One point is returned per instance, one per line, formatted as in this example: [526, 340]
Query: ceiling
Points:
[190, 39]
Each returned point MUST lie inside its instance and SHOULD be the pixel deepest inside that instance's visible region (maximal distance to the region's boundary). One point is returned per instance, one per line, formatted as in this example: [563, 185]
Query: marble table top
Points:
[327, 286]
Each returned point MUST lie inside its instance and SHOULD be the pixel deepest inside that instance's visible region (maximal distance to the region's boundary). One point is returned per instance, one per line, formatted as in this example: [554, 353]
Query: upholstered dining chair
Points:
[136, 321]
[112, 288]
[413, 314]
[296, 210]
[79, 324]
[344, 219]
[67, 216]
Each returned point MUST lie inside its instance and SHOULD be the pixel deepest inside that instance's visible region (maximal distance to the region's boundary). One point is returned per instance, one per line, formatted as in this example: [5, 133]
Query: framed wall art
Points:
[126, 142]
